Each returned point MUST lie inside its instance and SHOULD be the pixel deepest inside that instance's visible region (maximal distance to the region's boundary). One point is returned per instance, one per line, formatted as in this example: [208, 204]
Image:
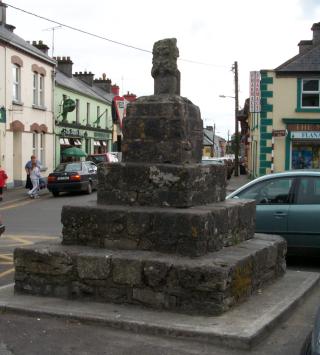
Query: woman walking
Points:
[34, 176]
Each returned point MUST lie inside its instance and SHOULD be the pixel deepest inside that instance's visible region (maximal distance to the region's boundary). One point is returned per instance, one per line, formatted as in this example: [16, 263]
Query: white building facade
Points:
[26, 103]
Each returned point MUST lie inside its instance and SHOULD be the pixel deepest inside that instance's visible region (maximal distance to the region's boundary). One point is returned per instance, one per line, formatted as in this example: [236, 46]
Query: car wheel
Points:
[89, 188]
[55, 193]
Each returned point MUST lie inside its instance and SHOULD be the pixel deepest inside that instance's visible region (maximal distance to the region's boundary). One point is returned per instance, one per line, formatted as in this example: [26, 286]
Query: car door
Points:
[92, 173]
[304, 215]
[273, 198]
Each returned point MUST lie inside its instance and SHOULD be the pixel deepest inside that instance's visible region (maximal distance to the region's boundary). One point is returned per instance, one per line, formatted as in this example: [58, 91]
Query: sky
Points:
[213, 34]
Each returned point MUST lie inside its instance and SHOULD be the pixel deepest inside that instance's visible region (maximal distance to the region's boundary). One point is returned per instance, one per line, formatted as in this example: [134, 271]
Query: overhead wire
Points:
[105, 38]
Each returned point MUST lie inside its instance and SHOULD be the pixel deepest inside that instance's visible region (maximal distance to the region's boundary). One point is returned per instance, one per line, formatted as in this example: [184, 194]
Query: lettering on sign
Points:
[305, 135]
[279, 133]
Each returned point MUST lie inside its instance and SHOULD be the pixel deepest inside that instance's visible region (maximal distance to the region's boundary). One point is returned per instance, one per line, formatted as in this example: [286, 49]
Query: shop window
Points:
[16, 80]
[310, 93]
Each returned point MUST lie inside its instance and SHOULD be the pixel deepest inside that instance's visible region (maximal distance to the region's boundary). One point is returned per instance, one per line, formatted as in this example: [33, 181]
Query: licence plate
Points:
[63, 178]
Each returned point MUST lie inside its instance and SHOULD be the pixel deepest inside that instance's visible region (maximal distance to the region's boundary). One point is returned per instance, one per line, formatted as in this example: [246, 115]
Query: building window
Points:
[35, 144]
[310, 93]
[42, 149]
[88, 112]
[35, 88]
[16, 79]
[77, 111]
[98, 111]
[41, 90]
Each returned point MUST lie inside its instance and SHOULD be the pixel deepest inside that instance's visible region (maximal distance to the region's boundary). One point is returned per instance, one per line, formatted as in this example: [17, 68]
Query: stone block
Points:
[193, 231]
[208, 285]
[161, 184]
[162, 129]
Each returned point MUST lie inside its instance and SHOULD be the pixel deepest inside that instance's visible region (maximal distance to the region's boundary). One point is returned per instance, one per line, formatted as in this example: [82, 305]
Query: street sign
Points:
[279, 133]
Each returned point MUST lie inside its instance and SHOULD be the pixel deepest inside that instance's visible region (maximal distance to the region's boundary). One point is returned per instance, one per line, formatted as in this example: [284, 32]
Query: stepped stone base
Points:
[161, 184]
[208, 285]
[193, 231]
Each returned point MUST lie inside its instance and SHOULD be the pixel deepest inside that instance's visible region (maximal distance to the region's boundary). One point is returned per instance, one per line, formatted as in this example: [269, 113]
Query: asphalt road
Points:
[28, 221]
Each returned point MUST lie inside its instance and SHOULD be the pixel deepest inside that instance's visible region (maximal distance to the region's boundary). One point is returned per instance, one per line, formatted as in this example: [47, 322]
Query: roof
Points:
[18, 42]
[308, 61]
[80, 87]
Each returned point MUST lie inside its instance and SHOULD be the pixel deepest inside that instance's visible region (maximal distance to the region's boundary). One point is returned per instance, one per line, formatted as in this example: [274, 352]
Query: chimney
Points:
[104, 83]
[304, 46]
[115, 90]
[3, 17]
[85, 77]
[130, 97]
[41, 46]
[316, 33]
[3, 13]
[64, 65]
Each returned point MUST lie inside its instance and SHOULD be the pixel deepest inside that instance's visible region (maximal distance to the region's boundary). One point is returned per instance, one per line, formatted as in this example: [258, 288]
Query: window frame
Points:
[301, 92]
[35, 89]
[16, 83]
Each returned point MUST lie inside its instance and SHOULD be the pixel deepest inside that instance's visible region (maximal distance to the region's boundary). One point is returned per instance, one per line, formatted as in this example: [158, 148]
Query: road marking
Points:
[20, 202]
[7, 272]
[6, 257]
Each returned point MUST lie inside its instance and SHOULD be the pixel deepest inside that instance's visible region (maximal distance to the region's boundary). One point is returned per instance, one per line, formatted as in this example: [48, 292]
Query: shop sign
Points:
[279, 133]
[305, 135]
[100, 135]
[254, 105]
[72, 132]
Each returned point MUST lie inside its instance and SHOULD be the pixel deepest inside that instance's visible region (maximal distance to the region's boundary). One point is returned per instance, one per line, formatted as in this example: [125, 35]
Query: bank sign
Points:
[305, 135]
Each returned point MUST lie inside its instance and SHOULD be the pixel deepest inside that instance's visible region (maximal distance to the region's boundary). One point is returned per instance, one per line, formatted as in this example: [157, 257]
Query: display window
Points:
[305, 155]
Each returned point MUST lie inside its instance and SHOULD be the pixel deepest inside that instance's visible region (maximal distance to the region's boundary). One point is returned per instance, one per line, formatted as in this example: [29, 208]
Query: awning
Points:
[77, 142]
[103, 143]
[64, 141]
[96, 143]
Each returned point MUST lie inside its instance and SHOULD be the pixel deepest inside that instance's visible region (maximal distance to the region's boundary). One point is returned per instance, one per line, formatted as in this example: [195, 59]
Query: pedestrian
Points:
[34, 176]
[3, 179]
[28, 167]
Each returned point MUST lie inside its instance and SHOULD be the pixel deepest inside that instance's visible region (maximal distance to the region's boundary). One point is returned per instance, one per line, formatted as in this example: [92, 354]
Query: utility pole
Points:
[236, 110]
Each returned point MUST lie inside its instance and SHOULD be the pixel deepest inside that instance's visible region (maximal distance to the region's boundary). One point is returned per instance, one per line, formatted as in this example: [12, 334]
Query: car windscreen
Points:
[68, 167]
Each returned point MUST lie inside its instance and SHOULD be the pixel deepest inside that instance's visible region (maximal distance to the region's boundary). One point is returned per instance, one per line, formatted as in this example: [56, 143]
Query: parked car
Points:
[220, 161]
[288, 204]
[311, 345]
[73, 176]
[103, 157]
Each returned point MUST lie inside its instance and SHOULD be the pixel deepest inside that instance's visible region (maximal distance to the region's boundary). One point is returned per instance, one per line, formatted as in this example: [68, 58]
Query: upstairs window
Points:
[310, 93]
[38, 90]
[35, 89]
[16, 81]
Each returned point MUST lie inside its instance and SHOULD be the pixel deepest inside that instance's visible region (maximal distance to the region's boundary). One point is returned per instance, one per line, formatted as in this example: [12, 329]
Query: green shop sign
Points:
[3, 116]
[100, 135]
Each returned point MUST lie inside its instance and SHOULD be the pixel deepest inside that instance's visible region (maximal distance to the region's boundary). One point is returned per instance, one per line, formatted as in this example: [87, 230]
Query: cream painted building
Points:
[286, 133]
[26, 102]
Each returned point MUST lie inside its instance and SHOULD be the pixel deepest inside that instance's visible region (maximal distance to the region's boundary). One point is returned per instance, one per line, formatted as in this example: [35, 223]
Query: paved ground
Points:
[32, 335]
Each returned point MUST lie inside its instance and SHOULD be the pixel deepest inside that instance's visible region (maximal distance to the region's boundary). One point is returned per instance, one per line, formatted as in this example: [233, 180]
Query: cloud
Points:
[309, 7]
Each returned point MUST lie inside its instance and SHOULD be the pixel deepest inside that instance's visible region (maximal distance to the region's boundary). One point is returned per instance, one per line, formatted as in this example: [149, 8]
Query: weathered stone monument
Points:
[161, 233]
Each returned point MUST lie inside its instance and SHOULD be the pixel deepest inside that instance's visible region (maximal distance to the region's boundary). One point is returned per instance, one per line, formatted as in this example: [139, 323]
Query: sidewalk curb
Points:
[241, 328]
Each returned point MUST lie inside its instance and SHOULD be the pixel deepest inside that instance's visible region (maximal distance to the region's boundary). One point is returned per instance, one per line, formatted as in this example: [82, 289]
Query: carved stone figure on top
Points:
[165, 70]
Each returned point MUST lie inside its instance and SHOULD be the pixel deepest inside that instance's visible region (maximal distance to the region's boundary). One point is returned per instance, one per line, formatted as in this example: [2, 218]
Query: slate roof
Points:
[307, 61]
[80, 87]
[18, 42]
